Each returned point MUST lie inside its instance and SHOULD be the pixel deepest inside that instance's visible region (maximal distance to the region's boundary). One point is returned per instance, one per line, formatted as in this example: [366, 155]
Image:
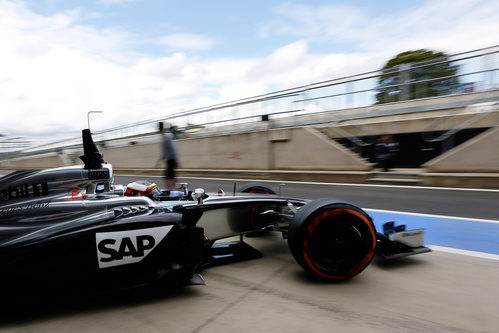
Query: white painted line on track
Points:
[331, 184]
[464, 252]
[468, 219]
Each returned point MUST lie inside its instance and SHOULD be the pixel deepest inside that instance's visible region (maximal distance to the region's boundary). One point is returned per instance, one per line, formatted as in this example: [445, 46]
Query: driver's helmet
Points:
[142, 188]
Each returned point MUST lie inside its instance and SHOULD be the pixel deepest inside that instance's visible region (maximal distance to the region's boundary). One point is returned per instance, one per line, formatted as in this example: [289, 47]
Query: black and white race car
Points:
[71, 226]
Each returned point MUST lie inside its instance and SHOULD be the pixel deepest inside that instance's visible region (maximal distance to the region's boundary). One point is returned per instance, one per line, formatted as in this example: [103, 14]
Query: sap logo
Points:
[127, 247]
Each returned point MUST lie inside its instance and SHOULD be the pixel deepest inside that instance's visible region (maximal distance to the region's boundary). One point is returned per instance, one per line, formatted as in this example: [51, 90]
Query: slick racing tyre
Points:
[255, 188]
[332, 240]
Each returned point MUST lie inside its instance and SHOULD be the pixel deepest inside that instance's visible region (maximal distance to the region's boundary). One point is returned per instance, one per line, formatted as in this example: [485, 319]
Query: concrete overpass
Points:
[306, 147]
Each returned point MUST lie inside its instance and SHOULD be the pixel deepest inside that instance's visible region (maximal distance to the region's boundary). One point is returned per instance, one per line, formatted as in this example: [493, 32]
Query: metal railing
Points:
[476, 72]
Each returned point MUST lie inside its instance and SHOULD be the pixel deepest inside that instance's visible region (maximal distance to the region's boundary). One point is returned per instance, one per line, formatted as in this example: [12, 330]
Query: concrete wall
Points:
[142, 156]
[308, 149]
[480, 154]
[238, 151]
[38, 162]
[232, 151]
[298, 148]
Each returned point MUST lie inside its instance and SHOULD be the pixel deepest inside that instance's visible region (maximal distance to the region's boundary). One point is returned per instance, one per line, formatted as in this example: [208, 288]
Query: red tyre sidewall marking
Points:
[321, 217]
[316, 222]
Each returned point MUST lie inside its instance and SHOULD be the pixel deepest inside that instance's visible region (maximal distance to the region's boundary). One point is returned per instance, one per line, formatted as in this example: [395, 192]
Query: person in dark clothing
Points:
[380, 154]
[393, 151]
[385, 152]
[169, 154]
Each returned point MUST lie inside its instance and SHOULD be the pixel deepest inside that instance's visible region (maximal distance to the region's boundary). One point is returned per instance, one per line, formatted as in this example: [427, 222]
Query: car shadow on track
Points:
[398, 263]
[24, 310]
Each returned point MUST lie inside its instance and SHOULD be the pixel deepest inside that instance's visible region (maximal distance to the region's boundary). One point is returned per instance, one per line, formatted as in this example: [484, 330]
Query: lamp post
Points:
[88, 116]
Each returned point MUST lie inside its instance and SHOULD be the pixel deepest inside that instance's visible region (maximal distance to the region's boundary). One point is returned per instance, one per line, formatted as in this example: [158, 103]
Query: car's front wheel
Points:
[332, 239]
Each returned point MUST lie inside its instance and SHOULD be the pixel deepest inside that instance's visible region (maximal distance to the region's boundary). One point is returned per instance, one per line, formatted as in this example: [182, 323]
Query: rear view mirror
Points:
[199, 195]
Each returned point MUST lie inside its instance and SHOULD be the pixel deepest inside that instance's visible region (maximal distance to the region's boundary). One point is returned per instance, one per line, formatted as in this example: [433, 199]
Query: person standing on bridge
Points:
[169, 154]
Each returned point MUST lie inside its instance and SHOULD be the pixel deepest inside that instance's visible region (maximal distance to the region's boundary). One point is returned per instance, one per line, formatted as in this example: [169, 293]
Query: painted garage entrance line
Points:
[467, 236]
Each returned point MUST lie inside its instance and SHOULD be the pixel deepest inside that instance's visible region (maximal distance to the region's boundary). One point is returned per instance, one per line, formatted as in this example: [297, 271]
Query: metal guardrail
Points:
[352, 91]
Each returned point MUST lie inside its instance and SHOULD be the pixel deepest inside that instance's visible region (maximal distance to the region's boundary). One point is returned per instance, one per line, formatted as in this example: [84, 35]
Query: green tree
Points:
[413, 66]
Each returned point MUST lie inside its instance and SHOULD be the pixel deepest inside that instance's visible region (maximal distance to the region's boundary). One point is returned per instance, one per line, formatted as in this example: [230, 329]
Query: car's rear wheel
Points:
[332, 239]
[255, 188]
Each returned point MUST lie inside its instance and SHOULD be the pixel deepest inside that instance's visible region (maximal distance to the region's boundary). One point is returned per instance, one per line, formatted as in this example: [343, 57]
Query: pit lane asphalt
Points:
[433, 292]
[472, 203]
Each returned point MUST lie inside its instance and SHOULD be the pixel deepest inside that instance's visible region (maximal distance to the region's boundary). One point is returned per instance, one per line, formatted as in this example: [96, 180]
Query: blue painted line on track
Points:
[465, 234]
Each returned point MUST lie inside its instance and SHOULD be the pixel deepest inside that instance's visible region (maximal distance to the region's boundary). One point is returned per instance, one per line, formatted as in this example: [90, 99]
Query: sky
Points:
[141, 59]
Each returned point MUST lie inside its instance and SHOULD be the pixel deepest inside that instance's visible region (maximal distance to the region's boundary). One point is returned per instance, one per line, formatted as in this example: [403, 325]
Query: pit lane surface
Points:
[462, 219]
[434, 292]
[472, 203]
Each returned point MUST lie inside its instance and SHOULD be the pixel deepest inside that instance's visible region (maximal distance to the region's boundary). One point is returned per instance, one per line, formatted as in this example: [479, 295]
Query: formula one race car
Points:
[71, 226]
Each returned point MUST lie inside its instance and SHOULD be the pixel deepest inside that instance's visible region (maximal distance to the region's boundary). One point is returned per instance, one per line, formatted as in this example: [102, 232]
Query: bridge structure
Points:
[325, 131]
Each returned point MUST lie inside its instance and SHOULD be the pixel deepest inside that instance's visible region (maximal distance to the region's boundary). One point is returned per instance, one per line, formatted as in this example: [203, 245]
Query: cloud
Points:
[182, 42]
[314, 22]
[115, 2]
[451, 26]
[55, 68]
